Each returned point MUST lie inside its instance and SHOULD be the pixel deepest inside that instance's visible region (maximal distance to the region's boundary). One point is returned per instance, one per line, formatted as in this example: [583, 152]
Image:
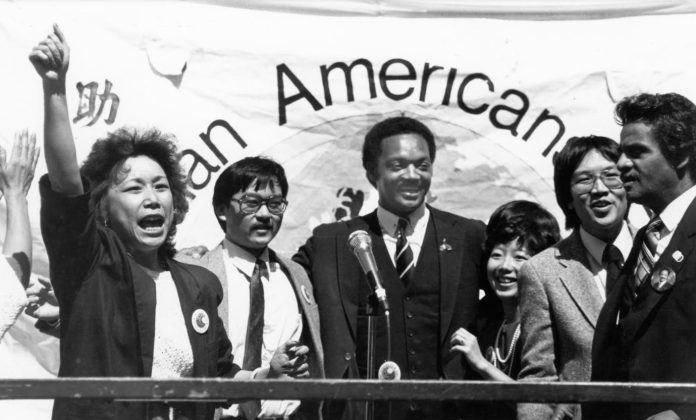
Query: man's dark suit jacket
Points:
[107, 309]
[338, 277]
[656, 338]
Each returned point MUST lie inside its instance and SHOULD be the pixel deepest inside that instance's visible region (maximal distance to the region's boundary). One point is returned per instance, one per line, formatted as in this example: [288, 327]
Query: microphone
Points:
[361, 245]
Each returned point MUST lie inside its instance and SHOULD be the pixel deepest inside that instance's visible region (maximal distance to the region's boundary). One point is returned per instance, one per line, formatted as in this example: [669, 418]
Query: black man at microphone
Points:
[429, 261]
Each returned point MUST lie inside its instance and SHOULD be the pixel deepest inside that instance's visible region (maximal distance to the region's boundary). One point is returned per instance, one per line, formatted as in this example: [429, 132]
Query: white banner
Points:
[502, 96]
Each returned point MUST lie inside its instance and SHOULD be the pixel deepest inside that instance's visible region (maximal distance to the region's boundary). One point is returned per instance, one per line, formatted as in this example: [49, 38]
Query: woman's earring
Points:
[107, 223]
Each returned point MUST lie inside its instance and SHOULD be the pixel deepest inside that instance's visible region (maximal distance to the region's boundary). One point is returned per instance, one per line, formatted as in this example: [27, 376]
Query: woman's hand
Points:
[464, 342]
[290, 359]
[51, 57]
[17, 173]
[43, 304]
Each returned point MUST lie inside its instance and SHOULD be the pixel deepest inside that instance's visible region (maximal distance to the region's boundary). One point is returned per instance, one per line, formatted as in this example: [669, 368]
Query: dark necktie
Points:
[404, 254]
[254, 334]
[613, 261]
[647, 257]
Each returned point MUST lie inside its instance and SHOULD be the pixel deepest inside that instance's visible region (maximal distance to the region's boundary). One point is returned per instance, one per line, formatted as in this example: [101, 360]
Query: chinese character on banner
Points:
[88, 98]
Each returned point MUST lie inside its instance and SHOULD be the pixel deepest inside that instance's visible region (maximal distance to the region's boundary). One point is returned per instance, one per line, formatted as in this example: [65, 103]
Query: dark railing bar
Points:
[309, 389]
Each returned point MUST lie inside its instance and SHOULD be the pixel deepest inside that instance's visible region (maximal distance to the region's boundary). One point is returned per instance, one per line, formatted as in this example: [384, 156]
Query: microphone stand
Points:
[373, 311]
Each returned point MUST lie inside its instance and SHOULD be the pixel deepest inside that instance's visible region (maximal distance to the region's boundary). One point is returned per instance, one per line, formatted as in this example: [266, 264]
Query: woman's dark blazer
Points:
[107, 309]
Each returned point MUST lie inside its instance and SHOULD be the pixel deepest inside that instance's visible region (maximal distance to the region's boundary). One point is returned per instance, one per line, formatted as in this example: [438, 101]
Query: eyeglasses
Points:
[586, 182]
[250, 204]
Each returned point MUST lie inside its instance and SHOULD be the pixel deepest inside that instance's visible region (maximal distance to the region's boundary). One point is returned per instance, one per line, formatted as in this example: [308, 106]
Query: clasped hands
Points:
[289, 360]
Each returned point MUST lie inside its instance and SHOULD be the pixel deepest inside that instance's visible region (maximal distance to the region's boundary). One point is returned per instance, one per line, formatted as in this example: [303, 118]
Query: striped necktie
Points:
[404, 254]
[647, 257]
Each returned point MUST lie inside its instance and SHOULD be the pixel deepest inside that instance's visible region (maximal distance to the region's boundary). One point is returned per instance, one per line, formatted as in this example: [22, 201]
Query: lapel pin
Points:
[444, 246]
[678, 256]
[305, 294]
[200, 321]
[662, 279]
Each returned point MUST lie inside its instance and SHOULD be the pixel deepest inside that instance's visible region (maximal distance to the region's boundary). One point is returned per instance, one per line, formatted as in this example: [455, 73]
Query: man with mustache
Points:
[563, 288]
[646, 333]
[268, 301]
[430, 264]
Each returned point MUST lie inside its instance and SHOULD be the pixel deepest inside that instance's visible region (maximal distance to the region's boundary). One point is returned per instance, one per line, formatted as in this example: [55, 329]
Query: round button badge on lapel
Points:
[662, 279]
[200, 321]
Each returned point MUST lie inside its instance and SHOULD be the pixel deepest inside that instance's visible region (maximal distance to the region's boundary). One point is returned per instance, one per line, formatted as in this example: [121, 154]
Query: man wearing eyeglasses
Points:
[563, 288]
[268, 304]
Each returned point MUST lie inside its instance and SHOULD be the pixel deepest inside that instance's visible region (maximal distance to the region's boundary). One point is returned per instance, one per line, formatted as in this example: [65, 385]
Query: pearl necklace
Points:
[497, 358]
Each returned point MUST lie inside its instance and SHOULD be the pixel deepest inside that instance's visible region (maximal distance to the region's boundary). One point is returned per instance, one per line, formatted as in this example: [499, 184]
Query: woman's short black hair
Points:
[532, 225]
[568, 160]
[104, 163]
[372, 147]
[241, 174]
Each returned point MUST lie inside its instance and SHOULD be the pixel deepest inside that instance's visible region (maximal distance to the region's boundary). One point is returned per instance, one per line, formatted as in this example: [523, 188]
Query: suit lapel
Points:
[189, 299]
[216, 264]
[349, 271]
[647, 299]
[577, 278]
[450, 263]
[302, 286]
[145, 300]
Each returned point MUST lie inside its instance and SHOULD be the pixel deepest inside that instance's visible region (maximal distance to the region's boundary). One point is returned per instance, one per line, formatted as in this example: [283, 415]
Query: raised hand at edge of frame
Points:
[51, 57]
[17, 173]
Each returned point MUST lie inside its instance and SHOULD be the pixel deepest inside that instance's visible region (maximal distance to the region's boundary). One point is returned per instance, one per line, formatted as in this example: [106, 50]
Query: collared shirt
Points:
[671, 216]
[595, 250]
[415, 231]
[282, 320]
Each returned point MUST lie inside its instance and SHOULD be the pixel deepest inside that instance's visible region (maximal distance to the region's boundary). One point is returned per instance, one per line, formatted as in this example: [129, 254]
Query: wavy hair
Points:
[103, 165]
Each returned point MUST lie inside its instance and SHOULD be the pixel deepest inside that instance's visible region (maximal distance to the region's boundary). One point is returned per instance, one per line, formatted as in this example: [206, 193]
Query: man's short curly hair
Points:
[672, 119]
[104, 162]
[372, 147]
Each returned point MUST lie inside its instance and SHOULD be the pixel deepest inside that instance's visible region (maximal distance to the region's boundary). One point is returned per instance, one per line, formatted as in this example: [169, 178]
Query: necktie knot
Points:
[612, 254]
[613, 260]
[653, 233]
[401, 226]
[260, 269]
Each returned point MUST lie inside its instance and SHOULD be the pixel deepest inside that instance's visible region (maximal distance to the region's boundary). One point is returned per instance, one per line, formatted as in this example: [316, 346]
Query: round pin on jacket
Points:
[200, 321]
[662, 279]
[305, 294]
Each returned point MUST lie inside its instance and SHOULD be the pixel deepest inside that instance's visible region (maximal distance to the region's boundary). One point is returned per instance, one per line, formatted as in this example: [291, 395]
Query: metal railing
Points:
[327, 389]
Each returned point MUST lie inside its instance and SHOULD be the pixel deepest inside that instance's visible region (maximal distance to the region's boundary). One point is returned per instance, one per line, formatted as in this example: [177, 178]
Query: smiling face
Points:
[503, 268]
[601, 209]
[649, 178]
[403, 173]
[252, 232]
[139, 206]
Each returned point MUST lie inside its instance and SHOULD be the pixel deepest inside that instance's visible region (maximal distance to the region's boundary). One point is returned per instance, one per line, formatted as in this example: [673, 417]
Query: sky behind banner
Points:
[501, 95]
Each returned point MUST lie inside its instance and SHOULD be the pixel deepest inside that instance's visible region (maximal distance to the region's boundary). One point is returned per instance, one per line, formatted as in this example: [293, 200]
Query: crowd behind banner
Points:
[441, 295]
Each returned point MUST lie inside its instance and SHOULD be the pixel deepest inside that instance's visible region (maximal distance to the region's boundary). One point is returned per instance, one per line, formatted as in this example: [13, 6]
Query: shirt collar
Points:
[389, 220]
[242, 259]
[595, 246]
[673, 213]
